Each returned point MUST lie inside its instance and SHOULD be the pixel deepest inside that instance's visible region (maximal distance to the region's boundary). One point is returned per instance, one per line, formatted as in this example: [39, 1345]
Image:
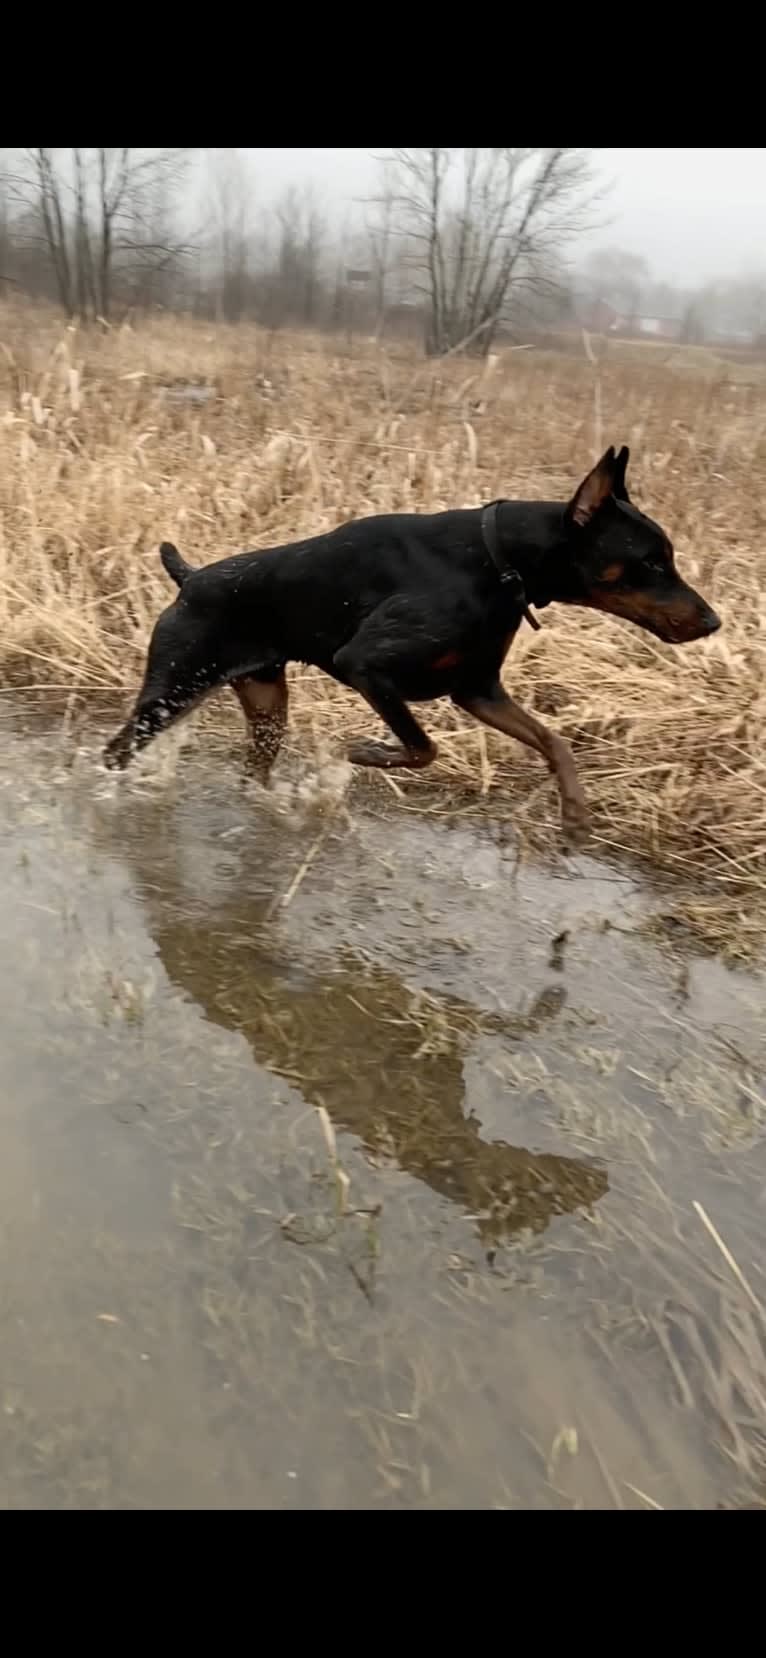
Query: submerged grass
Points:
[226, 438]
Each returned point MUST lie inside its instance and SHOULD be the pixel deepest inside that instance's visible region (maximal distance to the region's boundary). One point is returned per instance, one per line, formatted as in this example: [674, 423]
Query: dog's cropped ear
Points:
[619, 488]
[594, 491]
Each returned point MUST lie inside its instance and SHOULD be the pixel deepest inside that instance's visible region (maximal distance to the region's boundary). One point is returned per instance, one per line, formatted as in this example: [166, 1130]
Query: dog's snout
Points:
[700, 624]
[700, 618]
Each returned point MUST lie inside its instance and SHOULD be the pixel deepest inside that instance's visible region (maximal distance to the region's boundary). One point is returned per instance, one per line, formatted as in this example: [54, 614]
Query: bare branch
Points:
[471, 242]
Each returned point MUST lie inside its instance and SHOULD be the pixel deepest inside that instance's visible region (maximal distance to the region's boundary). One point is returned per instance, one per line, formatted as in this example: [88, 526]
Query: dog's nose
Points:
[712, 622]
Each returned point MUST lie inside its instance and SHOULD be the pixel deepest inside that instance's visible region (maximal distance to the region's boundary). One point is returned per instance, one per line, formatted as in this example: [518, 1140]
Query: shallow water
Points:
[476, 1276]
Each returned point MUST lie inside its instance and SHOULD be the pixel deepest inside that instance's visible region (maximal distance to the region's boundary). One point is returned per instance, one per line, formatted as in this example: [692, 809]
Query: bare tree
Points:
[83, 253]
[296, 284]
[229, 208]
[381, 240]
[483, 226]
[618, 277]
[751, 306]
[6, 238]
[92, 215]
[53, 218]
[132, 233]
[735, 309]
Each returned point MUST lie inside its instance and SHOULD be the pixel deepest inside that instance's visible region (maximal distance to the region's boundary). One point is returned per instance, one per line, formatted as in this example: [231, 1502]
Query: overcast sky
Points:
[694, 214]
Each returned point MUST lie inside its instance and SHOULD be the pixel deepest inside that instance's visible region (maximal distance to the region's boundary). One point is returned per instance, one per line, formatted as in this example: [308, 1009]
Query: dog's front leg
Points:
[496, 709]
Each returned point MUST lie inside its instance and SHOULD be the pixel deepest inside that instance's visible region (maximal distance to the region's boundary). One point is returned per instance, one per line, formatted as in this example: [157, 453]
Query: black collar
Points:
[509, 576]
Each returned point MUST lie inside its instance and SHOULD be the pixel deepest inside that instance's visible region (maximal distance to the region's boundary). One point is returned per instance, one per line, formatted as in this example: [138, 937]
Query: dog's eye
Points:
[657, 566]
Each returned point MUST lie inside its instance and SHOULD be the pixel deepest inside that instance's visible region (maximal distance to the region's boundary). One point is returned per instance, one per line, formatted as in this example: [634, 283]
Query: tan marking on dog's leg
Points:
[502, 714]
[264, 705]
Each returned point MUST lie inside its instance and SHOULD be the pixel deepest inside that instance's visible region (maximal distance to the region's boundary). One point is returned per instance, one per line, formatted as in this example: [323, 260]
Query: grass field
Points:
[343, 1159]
[105, 450]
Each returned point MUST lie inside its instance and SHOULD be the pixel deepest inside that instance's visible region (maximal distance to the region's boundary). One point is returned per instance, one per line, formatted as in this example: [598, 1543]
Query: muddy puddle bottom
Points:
[344, 1162]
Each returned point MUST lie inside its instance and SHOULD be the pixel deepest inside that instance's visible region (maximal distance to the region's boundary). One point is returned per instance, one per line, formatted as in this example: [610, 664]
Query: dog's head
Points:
[622, 562]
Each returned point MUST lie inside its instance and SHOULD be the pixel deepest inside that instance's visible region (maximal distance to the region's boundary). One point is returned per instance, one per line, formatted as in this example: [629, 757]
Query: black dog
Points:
[409, 607]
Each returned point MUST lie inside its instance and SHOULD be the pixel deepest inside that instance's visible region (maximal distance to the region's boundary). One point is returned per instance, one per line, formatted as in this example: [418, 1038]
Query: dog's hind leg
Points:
[264, 705]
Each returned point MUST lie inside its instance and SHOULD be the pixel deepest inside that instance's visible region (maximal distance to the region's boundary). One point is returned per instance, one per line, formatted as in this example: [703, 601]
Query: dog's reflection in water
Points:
[386, 1061]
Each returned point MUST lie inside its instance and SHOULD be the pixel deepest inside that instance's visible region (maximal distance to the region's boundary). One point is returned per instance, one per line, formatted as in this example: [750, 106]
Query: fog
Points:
[663, 242]
[694, 214]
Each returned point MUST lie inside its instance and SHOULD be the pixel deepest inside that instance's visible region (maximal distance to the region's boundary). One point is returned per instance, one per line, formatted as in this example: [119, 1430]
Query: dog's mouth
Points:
[673, 632]
[674, 625]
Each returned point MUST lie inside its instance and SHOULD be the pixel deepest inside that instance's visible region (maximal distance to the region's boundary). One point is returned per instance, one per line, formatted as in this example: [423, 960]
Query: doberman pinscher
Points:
[407, 608]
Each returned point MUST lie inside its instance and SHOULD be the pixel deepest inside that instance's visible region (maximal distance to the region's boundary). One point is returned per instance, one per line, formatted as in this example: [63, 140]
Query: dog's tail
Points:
[176, 566]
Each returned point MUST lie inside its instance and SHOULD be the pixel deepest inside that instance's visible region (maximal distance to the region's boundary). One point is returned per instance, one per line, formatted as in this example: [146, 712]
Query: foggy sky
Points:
[693, 213]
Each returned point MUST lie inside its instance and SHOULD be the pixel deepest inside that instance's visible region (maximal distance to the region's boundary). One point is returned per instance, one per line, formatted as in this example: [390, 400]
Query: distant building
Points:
[596, 315]
[697, 321]
[658, 328]
[599, 317]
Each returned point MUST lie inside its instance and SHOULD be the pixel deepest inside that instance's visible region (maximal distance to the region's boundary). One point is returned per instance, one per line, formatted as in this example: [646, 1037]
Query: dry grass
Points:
[100, 461]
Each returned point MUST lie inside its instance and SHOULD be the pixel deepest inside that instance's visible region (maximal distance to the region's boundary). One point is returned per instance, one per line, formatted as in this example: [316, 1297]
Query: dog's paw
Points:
[388, 755]
[575, 820]
[117, 753]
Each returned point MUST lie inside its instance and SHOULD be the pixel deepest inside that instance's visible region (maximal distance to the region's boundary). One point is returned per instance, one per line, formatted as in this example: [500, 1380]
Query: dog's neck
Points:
[533, 539]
